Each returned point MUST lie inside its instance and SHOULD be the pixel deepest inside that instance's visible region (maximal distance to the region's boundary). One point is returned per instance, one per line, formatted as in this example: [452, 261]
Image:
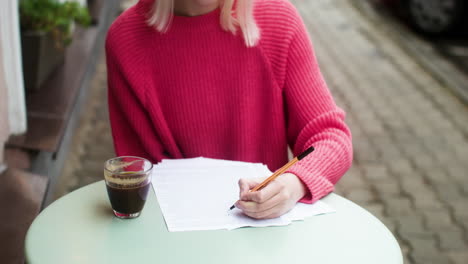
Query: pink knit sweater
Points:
[199, 91]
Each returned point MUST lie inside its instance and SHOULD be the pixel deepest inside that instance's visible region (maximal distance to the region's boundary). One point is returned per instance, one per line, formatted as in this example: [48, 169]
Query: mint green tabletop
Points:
[80, 228]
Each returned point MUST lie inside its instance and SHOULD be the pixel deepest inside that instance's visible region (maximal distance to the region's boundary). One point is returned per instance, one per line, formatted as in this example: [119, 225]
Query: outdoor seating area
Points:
[336, 133]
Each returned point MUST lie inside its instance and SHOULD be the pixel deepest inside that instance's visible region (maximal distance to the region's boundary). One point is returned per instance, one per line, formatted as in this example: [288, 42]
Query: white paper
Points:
[196, 194]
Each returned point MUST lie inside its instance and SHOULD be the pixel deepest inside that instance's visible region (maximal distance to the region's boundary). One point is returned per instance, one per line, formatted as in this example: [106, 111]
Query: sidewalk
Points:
[409, 131]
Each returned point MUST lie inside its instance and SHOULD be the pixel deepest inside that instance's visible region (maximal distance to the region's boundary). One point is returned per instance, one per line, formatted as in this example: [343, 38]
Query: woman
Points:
[226, 80]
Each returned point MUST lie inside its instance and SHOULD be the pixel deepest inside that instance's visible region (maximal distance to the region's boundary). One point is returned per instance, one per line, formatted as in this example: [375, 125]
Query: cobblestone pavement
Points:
[410, 134]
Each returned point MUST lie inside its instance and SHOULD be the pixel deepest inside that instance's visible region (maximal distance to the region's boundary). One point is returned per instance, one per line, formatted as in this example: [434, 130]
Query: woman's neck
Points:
[194, 8]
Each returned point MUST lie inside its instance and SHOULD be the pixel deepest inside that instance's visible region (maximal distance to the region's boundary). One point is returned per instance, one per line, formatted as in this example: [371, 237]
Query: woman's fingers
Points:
[281, 207]
[275, 199]
[253, 209]
[245, 185]
[264, 194]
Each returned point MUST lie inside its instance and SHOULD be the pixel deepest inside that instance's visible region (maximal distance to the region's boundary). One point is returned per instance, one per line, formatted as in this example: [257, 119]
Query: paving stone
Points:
[460, 213]
[403, 136]
[435, 175]
[438, 220]
[407, 259]
[364, 151]
[458, 257]
[449, 192]
[391, 224]
[463, 222]
[405, 251]
[458, 172]
[396, 207]
[443, 126]
[376, 173]
[92, 165]
[426, 251]
[423, 160]
[361, 196]
[352, 179]
[401, 168]
[391, 153]
[387, 149]
[427, 202]
[421, 194]
[414, 180]
[385, 190]
[340, 191]
[414, 148]
[375, 209]
[431, 257]
[412, 226]
[451, 240]
[460, 208]
[101, 153]
[444, 156]
[373, 128]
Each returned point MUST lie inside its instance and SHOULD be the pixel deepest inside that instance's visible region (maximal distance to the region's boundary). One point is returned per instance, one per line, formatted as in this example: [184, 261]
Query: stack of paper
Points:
[195, 194]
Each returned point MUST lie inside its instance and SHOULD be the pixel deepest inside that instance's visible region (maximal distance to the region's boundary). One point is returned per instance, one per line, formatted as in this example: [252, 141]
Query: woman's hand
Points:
[276, 199]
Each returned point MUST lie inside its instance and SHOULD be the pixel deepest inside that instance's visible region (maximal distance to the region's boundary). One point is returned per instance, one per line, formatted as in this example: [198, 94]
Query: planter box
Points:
[41, 57]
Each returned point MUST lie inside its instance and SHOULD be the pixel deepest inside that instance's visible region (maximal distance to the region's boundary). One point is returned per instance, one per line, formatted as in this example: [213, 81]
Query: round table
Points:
[80, 228]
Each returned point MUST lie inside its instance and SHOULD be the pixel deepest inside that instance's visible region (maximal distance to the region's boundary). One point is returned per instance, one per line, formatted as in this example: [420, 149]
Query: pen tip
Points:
[232, 207]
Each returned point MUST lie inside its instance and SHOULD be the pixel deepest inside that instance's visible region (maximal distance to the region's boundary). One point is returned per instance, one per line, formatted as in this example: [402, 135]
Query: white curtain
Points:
[4, 126]
[11, 61]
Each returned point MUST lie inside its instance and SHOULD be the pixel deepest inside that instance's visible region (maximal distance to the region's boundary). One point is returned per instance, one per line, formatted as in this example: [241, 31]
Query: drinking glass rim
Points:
[120, 173]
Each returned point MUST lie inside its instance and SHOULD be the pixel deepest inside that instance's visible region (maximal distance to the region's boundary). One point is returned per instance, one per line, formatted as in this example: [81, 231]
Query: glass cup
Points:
[128, 180]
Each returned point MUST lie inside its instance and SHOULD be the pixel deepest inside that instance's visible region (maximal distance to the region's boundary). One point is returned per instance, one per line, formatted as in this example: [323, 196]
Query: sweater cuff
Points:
[317, 185]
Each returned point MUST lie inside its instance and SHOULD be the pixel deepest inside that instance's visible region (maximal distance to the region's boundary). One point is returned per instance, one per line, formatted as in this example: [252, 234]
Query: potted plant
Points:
[46, 29]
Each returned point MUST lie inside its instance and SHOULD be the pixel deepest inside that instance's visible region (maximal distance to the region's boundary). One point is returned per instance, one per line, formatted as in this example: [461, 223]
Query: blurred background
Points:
[398, 68]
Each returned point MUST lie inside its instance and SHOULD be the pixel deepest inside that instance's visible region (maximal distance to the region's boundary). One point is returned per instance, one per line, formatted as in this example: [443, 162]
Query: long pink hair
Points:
[231, 18]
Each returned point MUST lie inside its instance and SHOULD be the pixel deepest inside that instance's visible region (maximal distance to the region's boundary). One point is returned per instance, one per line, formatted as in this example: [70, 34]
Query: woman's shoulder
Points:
[128, 29]
[274, 4]
[275, 11]
[279, 22]
[277, 19]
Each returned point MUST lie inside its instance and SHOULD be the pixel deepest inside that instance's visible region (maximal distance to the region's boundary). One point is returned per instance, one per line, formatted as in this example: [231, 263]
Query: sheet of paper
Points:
[195, 194]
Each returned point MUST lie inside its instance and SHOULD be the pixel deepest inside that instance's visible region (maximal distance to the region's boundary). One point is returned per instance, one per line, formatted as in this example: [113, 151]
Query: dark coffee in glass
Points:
[128, 200]
[128, 180]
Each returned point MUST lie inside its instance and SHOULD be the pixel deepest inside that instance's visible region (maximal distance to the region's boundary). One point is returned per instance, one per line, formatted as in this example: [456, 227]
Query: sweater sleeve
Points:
[132, 129]
[314, 120]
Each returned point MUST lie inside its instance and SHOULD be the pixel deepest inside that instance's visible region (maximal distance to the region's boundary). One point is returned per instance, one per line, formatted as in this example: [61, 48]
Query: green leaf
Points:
[51, 15]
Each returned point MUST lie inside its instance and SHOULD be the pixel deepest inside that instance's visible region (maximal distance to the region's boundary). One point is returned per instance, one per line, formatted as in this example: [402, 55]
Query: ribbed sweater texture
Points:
[198, 90]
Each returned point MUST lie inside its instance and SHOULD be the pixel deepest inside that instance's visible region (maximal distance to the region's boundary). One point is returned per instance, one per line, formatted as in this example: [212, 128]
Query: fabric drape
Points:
[4, 126]
[12, 65]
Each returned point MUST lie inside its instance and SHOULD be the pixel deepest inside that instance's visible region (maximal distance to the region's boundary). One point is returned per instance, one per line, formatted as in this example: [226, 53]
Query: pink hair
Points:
[230, 19]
